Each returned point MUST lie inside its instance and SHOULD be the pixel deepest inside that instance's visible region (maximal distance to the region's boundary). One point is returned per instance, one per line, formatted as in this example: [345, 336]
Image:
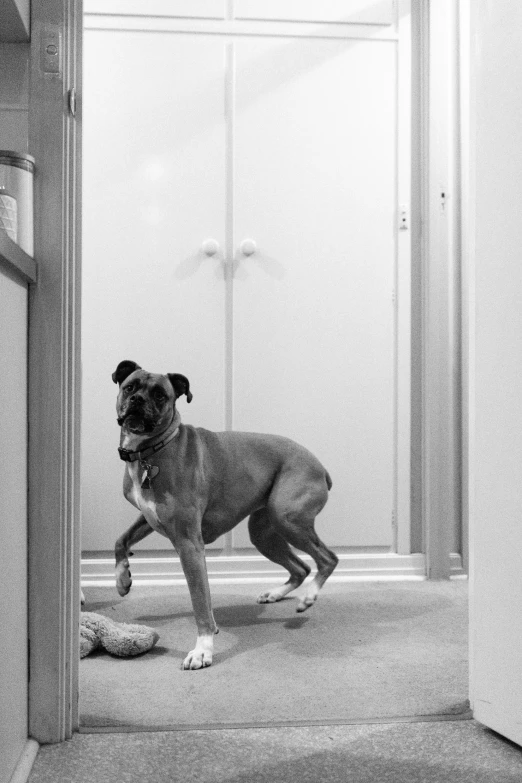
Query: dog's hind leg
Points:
[303, 537]
[293, 507]
[139, 530]
[273, 546]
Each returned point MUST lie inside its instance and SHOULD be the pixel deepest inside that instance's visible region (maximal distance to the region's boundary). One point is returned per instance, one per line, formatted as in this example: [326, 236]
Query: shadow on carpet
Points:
[364, 651]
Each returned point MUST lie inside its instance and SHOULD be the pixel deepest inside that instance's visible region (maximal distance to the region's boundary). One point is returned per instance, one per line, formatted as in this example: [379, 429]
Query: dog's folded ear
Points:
[123, 370]
[180, 385]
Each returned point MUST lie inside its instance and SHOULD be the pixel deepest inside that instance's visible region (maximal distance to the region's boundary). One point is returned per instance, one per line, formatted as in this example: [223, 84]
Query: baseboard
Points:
[25, 762]
[251, 568]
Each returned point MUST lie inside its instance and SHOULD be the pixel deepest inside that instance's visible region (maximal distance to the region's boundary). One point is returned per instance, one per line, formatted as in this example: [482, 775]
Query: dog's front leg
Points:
[192, 556]
[139, 530]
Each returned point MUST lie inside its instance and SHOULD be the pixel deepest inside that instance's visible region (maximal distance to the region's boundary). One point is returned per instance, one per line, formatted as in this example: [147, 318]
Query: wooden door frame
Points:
[54, 371]
[437, 470]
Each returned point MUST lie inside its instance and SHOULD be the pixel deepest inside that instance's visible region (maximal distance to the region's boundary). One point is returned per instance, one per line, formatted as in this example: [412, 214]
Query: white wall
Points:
[14, 59]
[496, 372]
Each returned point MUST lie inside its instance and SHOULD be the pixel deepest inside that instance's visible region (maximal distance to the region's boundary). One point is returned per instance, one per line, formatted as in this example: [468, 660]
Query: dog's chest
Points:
[145, 501]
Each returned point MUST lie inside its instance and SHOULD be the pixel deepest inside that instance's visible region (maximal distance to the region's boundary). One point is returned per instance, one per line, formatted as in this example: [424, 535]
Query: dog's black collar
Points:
[131, 456]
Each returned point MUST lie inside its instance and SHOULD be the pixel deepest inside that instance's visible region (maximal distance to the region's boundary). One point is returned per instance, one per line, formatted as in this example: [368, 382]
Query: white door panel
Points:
[341, 11]
[495, 358]
[313, 311]
[153, 192]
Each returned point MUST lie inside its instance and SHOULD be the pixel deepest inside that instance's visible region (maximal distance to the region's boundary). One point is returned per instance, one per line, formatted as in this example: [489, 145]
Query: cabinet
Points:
[13, 509]
[282, 149]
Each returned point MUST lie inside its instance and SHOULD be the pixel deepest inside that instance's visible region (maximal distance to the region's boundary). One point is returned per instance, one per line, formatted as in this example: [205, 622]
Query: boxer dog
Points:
[192, 485]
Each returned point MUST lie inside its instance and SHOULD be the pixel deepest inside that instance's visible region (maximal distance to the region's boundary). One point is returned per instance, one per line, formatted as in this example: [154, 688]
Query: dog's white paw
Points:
[269, 597]
[197, 659]
[123, 579]
[201, 656]
[306, 602]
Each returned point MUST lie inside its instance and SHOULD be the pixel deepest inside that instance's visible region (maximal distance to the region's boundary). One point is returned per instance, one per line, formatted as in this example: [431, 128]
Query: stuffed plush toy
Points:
[119, 639]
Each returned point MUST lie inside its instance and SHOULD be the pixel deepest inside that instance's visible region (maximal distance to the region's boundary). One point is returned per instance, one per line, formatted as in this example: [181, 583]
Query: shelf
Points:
[14, 258]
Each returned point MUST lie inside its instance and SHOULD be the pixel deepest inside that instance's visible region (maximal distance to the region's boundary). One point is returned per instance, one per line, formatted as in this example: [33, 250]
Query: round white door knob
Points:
[210, 247]
[248, 247]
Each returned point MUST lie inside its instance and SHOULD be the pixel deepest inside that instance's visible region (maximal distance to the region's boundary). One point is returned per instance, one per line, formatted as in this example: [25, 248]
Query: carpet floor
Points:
[364, 651]
[449, 752]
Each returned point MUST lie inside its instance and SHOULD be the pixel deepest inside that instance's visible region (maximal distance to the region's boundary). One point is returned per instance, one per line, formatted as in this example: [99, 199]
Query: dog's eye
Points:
[159, 395]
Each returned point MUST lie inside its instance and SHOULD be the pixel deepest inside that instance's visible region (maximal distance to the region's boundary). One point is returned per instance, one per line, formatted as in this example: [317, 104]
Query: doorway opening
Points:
[247, 223]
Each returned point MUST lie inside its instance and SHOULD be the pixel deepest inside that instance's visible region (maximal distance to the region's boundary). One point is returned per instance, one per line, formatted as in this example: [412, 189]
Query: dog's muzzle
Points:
[138, 412]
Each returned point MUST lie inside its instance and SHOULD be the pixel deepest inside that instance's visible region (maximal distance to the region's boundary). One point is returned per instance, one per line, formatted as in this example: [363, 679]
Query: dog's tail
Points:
[329, 482]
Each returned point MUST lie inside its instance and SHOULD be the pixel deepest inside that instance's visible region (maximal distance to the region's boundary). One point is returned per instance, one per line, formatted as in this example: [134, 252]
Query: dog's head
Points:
[146, 401]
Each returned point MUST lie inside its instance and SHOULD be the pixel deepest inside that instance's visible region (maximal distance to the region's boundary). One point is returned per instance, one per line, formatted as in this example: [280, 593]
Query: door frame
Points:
[437, 474]
[406, 539]
[54, 338]
[54, 371]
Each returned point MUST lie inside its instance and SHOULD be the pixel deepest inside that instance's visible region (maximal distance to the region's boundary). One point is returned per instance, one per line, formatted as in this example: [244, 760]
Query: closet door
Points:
[154, 191]
[314, 206]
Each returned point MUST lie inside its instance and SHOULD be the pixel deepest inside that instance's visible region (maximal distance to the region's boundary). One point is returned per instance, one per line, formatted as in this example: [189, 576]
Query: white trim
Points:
[243, 569]
[171, 582]
[174, 9]
[468, 57]
[418, 251]
[230, 111]
[25, 762]
[441, 400]
[467, 254]
[54, 374]
[235, 27]
[230, 120]
[403, 357]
